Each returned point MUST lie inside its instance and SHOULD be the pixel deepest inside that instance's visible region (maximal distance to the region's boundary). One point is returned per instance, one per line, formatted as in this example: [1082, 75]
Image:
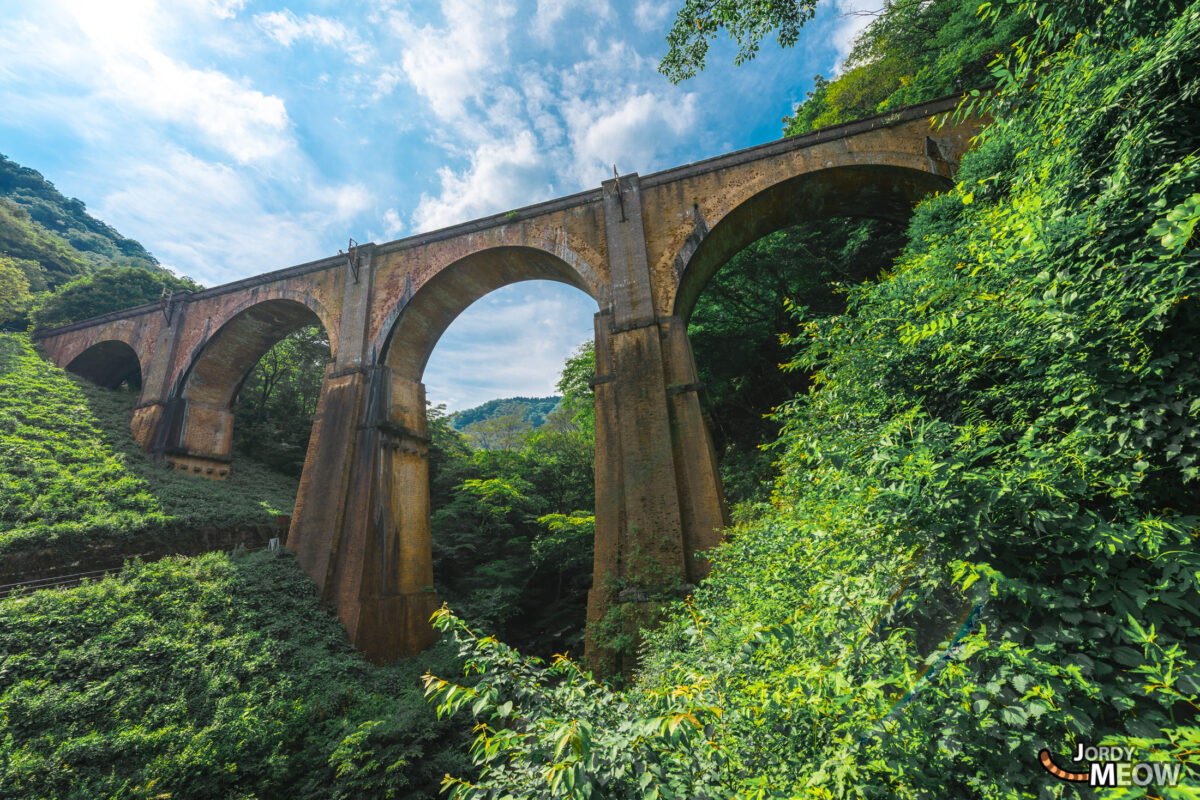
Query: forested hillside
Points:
[59, 264]
[982, 539]
[66, 218]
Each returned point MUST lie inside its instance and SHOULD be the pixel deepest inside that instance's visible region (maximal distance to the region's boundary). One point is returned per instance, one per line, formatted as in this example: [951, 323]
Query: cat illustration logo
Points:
[1114, 766]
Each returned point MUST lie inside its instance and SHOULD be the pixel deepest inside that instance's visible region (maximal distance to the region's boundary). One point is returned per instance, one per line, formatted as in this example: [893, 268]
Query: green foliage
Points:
[203, 678]
[734, 330]
[746, 21]
[46, 260]
[66, 219]
[276, 402]
[71, 475]
[505, 428]
[983, 539]
[532, 410]
[108, 289]
[911, 52]
[14, 290]
[578, 399]
[512, 550]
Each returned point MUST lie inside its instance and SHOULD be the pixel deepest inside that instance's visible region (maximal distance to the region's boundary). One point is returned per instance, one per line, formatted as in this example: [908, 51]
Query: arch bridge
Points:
[643, 247]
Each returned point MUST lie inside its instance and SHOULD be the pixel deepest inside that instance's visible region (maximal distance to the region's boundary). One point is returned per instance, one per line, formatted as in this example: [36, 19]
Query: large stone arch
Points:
[418, 322]
[380, 577]
[881, 185]
[108, 363]
[198, 433]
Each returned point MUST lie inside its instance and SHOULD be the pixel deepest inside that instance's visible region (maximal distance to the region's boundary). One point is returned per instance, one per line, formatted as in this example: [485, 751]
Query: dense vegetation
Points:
[736, 325]
[513, 521]
[275, 404]
[71, 475]
[208, 678]
[983, 536]
[66, 218]
[63, 264]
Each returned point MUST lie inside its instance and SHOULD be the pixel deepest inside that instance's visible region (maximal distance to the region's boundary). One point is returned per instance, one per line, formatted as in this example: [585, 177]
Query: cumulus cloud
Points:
[650, 15]
[502, 175]
[393, 225]
[286, 28]
[446, 65]
[854, 17]
[111, 53]
[210, 221]
[631, 133]
[529, 328]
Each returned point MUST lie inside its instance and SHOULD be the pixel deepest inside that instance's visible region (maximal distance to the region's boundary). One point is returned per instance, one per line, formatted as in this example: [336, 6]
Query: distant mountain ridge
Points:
[535, 408]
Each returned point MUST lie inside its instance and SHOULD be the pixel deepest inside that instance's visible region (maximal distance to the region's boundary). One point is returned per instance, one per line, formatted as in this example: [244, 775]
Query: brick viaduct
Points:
[642, 247]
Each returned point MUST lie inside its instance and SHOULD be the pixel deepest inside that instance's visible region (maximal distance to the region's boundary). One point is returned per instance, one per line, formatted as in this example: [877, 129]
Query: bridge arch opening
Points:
[873, 191]
[111, 364]
[200, 430]
[805, 239]
[511, 496]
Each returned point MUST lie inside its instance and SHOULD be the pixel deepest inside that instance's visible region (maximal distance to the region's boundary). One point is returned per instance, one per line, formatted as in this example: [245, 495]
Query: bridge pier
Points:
[658, 493]
[361, 522]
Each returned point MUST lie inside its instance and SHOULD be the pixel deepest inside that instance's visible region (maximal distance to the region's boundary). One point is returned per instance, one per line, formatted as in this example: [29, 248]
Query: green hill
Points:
[65, 219]
[532, 410]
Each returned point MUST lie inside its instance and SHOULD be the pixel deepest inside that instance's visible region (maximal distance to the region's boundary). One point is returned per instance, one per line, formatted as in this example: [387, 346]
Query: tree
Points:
[14, 290]
[109, 289]
[746, 22]
[507, 430]
[274, 408]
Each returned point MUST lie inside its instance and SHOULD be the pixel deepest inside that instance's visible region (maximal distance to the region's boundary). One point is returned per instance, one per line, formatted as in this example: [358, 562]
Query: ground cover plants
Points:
[212, 677]
[983, 540]
[72, 477]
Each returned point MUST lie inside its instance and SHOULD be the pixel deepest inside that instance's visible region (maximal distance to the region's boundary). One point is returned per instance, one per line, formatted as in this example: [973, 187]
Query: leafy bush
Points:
[205, 678]
[108, 289]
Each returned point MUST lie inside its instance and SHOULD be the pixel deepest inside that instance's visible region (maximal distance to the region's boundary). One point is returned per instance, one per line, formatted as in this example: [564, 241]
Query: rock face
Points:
[642, 247]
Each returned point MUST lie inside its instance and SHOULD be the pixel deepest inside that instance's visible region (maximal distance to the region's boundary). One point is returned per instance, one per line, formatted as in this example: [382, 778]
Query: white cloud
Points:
[286, 28]
[111, 53]
[209, 220]
[854, 18]
[393, 225]
[632, 133]
[650, 15]
[447, 65]
[550, 12]
[503, 174]
[530, 328]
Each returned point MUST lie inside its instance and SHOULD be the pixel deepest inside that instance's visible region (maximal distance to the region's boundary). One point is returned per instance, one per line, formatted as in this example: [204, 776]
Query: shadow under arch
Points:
[199, 431]
[109, 363]
[420, 321]
[876, 191]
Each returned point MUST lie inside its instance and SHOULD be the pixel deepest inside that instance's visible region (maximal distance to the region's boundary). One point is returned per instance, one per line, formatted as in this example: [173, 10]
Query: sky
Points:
[234, 137]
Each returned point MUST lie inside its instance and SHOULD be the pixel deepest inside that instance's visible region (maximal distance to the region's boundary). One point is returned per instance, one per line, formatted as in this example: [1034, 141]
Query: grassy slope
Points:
[72, 476]
[213, 677]
[190, 678]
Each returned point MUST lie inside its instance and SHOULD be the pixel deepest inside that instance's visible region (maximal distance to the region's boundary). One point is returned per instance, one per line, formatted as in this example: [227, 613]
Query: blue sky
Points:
[232, 137]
